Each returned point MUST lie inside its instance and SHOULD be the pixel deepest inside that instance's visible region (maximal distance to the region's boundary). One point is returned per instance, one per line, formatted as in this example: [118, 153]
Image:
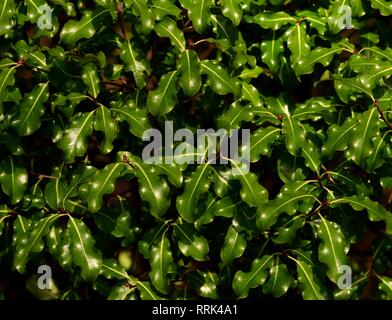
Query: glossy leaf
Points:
[75, 30]
[195, 186]
[375, 210]
[91, 79]
[133, 59]
[32, 108]
[244, 281]
[311, 290]
[295, 134]
[168, 28]
[136, 117]
[190, 72]
[279, 281]
[333, 249]
[199, 13]
[232, 9]
[145, 14]
[233, 247]
[189, 242]
[219, 79]
[161, 259]
[163, 99]
[74, 140]
[274, 21]
[103, 183]
[84, 253]
[271, 50]
[13, 178]
[104, 122]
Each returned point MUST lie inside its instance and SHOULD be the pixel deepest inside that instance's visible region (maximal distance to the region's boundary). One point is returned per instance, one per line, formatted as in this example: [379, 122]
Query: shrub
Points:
[82, 81]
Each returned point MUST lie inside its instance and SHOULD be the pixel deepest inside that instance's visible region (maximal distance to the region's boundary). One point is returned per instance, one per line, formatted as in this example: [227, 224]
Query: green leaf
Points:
[74, 30]
[6, 13]
[32, 108]
[151, 235]
[346, 87]
[298, 42]
[103, 183]
[104, 122]
[310, 289]
[333, 248]
[267, 215]
[251, 94]
[168, 28]
[261, 141]
[316, 20]
[6, 79]
[55, 190]
[338, 137]
[84, 253]
[199, 13]
[121, 292]
[35, 241]
[205, 283]
[110, 269]
[233, 118]
[376, 211]
[4, 214]
[141, 10]
[232, 10]
[189, 242]
[33, 11]
[295, 134]
[315, 109]
[190, 72]
[305, 65]
[363, 134]
[233, 247]
[91, 79]
[163, 8]
[279, 280]
[252, 192]
[374, 74]
[251, 73]
[132, 56]
[224, 207]
[219, 79]
[13, 178]
[78, 181]
[21, 229]
[32, 56]
[271, 50]
[273, 20]
[172, 172]
[146, 291]
[74, 139]
[197, 184]
[58, 245]
[287, 232]
[161, 261]
[385, 7]
[153, 189]
[244, 281]
[163, 99]
[381, 151]
[312, 156]
[117, 222]
[136, 117]
[385, 284]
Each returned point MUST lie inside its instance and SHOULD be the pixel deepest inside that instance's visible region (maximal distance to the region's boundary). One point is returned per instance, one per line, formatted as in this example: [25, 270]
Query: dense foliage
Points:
[75, 99]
